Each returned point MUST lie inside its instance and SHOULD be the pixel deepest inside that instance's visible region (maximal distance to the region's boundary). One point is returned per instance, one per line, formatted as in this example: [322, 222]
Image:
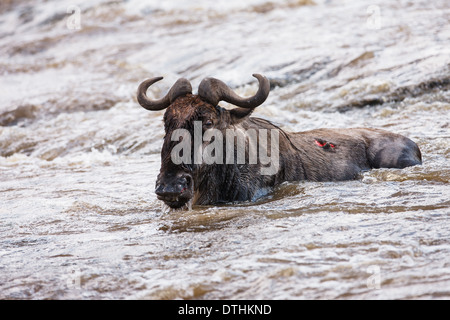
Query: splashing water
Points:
[79, 157]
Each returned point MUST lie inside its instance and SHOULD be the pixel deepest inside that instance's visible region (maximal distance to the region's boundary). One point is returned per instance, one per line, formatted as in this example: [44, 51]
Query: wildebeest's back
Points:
[341, 154]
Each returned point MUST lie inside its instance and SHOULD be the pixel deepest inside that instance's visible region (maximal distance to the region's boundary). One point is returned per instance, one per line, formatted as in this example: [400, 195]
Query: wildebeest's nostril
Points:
[167, 190]
[159, 190]
[174, 186]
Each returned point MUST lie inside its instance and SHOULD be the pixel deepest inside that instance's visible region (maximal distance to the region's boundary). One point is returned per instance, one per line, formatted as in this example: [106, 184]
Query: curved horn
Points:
[214, 90]
[180, 88]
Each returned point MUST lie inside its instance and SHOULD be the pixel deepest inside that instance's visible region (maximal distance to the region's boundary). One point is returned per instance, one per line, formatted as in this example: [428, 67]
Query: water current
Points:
[79, 157]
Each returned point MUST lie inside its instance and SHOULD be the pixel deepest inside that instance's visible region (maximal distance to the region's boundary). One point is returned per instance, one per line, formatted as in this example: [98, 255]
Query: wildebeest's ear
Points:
[239, 114]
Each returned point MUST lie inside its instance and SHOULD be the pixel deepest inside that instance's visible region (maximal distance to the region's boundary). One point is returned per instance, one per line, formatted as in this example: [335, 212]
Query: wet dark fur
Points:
[344, 154]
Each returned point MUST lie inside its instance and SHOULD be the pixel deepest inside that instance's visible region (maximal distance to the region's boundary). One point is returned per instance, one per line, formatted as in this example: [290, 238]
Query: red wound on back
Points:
[320, 144]
[324, 144]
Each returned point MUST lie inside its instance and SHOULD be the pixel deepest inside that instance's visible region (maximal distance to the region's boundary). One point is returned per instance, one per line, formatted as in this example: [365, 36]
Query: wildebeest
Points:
[316, 155]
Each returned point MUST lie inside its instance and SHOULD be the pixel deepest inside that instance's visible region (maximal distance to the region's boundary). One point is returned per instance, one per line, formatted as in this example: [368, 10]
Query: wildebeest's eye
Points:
[208, 124]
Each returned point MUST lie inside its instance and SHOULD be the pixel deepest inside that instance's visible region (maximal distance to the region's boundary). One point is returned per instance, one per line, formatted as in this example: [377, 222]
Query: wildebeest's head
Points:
[176, 183]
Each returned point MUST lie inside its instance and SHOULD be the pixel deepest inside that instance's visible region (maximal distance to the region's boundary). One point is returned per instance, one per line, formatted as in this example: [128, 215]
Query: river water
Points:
[79, 157]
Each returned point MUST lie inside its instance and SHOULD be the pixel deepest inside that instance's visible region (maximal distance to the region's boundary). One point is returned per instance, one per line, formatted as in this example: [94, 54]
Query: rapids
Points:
[79, 157]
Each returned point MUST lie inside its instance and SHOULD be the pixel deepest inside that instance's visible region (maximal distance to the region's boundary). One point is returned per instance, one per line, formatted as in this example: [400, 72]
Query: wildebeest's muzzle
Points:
[175, 190]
